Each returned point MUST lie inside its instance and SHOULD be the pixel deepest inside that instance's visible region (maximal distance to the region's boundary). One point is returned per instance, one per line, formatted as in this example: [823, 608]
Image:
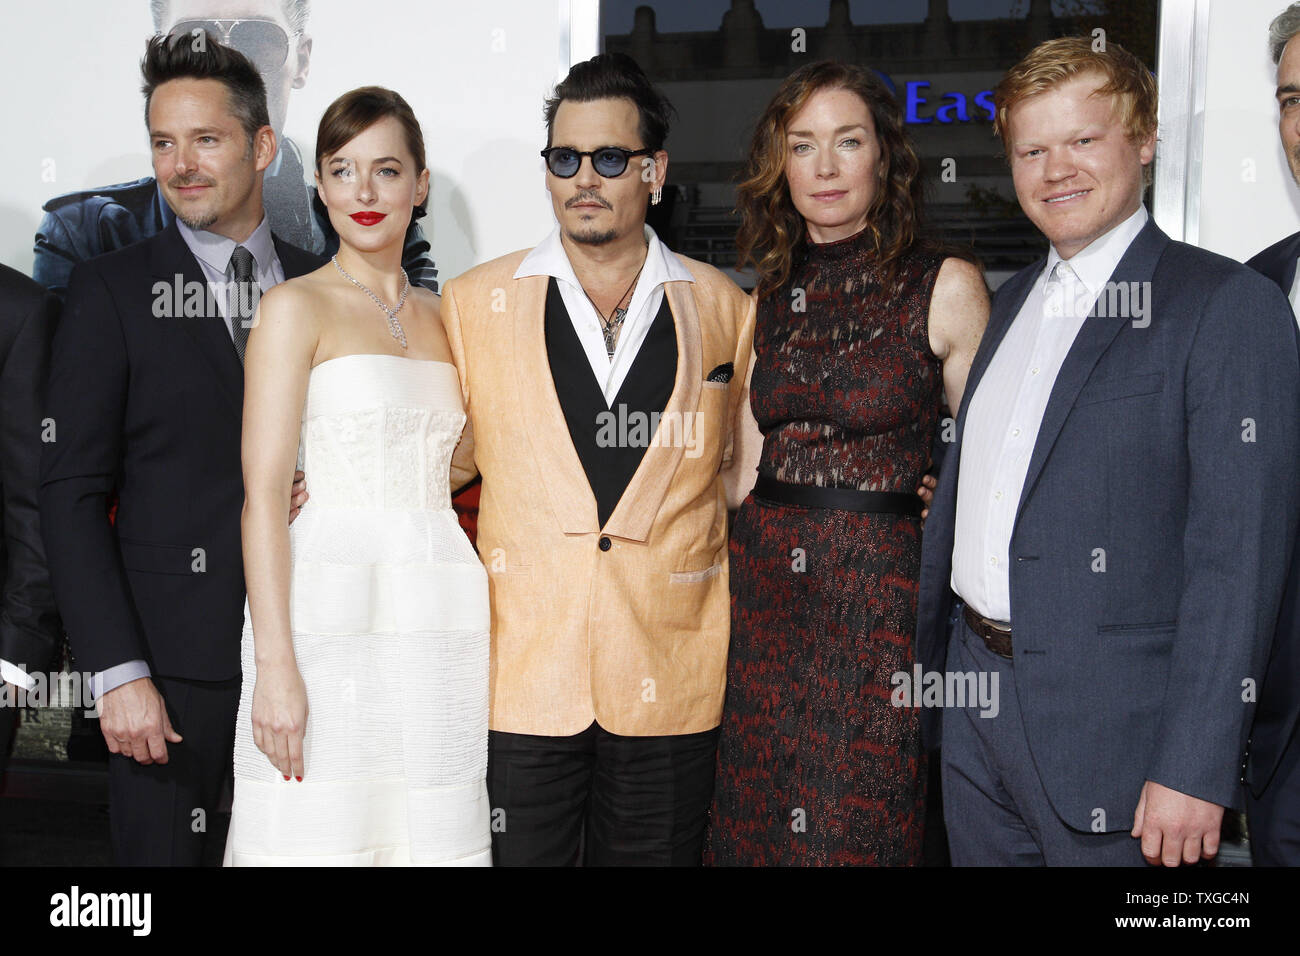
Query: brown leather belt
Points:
[996, 637]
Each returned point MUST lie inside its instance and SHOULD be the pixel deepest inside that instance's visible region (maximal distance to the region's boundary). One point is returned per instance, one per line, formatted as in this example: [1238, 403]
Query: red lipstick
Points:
[369, 218]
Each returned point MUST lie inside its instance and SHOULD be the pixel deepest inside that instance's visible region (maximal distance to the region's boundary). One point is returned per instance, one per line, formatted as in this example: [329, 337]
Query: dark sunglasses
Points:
[264, 42]
[608, 161]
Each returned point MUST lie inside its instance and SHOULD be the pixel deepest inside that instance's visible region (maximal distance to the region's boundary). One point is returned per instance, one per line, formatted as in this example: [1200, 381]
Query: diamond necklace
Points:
[394, 326]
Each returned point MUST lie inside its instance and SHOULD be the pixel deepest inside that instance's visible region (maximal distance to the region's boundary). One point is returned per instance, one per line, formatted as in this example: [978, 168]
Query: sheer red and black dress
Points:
[816, 766]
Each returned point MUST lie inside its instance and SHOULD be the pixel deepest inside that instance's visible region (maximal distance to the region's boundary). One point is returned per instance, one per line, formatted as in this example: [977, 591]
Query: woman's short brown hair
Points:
[1053, 62]
[358, 110]
[772, 234]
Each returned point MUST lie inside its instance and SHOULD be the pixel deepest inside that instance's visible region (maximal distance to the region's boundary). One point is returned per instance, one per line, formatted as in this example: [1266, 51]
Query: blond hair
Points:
[1128, 81]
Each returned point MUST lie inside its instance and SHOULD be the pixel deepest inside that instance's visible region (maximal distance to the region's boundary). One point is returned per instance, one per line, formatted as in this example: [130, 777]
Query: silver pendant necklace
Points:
[610, 327]
[394, 327]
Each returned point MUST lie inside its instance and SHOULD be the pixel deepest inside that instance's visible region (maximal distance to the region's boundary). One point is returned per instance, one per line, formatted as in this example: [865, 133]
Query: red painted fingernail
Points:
[286, 776]
[299, 779]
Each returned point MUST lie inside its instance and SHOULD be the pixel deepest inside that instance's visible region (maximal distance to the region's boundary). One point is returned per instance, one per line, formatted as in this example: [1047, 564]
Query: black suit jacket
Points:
[29, 623]
[149, 402]
[1278, 713]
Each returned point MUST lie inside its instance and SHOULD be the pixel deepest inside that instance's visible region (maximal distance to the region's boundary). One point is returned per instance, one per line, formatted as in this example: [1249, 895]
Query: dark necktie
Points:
[243, 298]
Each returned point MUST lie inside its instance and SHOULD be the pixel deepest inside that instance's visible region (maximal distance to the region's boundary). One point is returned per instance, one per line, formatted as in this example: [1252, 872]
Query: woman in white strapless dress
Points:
[363, 720]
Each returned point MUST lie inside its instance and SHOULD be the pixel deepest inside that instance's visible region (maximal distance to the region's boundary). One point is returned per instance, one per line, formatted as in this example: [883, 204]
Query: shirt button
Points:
[997, 495]
[993, 561]
[605, 543]
[1015, 433]
[1033, 371]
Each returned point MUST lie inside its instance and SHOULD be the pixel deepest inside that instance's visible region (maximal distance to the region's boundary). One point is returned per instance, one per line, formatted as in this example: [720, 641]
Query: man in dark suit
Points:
[29, 624]
[273, 35]
[1273, 760]
[1116, 516]
[146, 393]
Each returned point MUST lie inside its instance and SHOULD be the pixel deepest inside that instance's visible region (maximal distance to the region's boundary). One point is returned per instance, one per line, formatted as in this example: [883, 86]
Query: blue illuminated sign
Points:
[921, 107]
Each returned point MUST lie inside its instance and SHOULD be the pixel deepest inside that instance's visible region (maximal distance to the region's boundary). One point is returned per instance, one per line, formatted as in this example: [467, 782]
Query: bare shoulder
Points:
[428, 316]
[295, 294]
[960, 277]
[959, 306]
[293, 307]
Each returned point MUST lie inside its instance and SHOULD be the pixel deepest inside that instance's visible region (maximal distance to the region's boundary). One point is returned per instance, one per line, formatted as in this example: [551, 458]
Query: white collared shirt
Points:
[1294, 294]
[213, 252]
[661, 265]
[1007, 409]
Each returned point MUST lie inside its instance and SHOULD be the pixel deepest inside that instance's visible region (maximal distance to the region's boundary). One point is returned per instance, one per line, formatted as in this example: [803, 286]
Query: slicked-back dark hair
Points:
[184, 56]
[612, 76]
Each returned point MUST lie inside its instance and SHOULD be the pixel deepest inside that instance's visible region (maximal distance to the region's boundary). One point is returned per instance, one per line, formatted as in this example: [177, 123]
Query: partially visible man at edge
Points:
[1272, 769]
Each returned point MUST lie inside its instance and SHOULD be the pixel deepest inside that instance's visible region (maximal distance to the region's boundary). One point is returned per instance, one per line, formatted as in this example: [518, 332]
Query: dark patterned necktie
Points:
[244, 293]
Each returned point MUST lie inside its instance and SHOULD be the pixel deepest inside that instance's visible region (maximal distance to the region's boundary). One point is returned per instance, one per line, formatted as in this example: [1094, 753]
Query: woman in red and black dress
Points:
[863, 327]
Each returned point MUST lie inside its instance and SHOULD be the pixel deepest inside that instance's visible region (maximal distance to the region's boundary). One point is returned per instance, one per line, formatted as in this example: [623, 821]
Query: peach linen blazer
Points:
[635, 636]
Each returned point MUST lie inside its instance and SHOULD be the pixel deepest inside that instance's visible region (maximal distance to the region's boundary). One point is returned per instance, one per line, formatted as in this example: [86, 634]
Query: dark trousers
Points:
[1274, 818]
[166, 814]
[599, 798]
[994, 805]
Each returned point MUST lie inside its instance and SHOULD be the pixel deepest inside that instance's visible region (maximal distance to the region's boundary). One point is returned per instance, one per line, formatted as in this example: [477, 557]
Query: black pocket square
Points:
[722, 373]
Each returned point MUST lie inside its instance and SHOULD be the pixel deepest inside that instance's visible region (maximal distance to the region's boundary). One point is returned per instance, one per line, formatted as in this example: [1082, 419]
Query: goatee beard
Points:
[201, 222]
[594, 238]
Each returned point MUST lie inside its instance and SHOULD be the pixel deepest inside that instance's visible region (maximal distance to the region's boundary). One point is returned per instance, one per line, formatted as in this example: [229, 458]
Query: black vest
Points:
[610, 442]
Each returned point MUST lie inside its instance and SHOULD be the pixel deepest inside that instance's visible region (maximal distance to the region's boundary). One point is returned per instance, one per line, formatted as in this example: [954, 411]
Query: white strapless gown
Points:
[389, 611]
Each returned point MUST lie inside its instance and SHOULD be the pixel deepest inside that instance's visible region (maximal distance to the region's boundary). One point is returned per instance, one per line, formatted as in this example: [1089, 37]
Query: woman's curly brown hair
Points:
[772, 236]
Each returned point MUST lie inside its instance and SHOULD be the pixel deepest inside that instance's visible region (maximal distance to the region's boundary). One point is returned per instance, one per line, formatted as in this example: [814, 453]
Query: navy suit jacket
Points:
[1278, 713]
[152, 404]
[1168, 448]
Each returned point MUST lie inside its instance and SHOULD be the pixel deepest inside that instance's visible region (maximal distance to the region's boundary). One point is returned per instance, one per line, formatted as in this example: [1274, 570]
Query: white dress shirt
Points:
[213, 253]
[661, 265]
[1007, 409]
[1295, 293]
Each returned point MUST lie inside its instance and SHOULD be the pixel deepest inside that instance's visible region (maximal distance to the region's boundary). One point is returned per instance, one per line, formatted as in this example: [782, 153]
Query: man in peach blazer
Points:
[598, 372]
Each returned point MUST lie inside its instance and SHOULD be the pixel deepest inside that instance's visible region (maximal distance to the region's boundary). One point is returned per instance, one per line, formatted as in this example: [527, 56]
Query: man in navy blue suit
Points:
[1112, 528]
[1273, 764]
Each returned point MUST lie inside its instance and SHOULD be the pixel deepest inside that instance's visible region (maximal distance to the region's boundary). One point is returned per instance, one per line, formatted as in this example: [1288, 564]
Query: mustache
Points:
[588, 195]
[177, 182]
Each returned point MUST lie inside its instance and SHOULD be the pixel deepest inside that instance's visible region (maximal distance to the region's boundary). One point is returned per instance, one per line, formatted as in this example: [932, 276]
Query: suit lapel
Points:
[172, 258]
[295, 262]
[572, 502]
[645, 493]
[1285, 273]
[1098, 331]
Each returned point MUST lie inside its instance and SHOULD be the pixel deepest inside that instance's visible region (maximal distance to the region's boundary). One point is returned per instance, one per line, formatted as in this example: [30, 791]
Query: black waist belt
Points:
[838, 499]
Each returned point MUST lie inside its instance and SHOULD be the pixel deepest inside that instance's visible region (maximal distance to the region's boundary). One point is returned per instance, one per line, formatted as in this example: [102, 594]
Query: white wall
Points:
[1237, 190]
[474, 72]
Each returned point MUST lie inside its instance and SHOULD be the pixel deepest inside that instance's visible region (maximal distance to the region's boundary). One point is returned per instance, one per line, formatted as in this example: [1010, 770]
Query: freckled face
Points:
[1076, 172]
